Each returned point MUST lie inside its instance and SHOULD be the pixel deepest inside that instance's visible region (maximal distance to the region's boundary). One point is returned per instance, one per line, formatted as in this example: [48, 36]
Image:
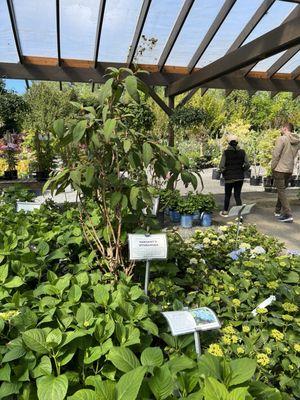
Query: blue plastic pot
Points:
[205, 219]
[196, 216]
[186, 221]
[174, 216]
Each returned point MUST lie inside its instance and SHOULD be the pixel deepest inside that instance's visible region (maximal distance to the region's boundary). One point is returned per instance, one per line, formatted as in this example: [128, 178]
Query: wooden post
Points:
[171, 140]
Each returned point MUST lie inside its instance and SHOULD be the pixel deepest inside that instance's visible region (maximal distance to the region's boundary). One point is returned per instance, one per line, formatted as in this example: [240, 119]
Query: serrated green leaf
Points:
[129, 384]
[242, 371]
[52, 388]
[35, 339]
[75, 293]
[152, 357]
[101, 295]
[83, 394]
[14, 282]
[214, 390]
[123, 358]
[5, 373]
[161, 383]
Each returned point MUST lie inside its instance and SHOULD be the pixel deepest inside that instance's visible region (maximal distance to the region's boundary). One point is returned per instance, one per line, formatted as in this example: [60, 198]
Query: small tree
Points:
[110, 163]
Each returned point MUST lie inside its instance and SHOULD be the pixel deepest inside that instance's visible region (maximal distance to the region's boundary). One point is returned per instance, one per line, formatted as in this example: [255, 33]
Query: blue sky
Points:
[37, 30]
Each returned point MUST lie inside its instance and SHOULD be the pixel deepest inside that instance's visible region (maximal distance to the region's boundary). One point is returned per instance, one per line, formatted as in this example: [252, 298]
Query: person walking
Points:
[234, 163]
[282, 165]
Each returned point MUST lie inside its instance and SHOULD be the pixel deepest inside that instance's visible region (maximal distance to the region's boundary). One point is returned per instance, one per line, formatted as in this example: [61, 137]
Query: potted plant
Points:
[172, 202]
[43, 155]
[9, 150]
[186, 207]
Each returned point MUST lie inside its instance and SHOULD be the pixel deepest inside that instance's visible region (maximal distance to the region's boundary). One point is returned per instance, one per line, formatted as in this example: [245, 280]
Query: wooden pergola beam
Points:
[279, 39]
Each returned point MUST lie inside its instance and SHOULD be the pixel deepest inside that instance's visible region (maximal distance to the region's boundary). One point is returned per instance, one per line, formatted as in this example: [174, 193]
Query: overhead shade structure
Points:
[183, 44]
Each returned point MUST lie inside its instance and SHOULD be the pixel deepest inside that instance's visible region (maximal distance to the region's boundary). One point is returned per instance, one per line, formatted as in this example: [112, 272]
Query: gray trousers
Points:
[281, 180]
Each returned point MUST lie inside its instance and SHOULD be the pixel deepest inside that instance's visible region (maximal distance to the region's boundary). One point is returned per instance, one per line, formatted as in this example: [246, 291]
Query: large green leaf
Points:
[109, 128]
[123, 358]
[79, 130]
[209, 366]
[3, 272]
[106, 390]
[242, 370]
[14, 282]
[214, 390]
[89, 174]
[161, 383]
[44, 368]
[238, 394]
[14, 354]
[84, 315]
[129, 385]
[101, 295]
[35, 339]
[59, 128]
[177, 364]
[7, 389]
[134, 192]
[152, 357]
[131, 87]
[147, 153]
[83, 394]
[52, 388]
[5, 373]
[75, 293]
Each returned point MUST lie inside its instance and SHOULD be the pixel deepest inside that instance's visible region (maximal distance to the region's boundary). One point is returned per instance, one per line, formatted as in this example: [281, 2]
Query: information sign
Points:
[148, 247]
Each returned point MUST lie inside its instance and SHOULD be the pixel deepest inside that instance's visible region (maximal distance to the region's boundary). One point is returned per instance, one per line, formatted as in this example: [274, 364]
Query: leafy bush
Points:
[69, 331]
[233, 277]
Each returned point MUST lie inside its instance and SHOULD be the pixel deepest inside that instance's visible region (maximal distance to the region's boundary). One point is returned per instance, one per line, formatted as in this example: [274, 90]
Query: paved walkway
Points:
[262, 214]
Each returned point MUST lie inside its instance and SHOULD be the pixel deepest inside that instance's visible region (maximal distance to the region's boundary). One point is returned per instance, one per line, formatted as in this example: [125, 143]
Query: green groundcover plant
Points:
[69, 331]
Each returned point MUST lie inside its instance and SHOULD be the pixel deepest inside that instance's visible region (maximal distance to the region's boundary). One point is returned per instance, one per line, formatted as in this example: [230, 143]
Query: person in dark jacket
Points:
[234, 163]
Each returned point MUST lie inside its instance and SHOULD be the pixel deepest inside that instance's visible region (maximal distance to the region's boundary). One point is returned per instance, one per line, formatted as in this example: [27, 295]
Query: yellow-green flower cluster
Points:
[228, 340]
[215, 350]
[262, 359]
[268, 350]
[272, 285]
[277, 335]
[262, 310]
[297, 347]
[240, 350]
[290, 307]
[228, 330]
[236, 302]
[246, 329]
[6, 316]
[287, 317]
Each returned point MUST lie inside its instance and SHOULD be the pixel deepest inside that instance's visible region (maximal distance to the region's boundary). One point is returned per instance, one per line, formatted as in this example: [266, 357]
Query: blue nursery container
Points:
[186, 221]
[205, 219]
[174, 216]
[196, 216]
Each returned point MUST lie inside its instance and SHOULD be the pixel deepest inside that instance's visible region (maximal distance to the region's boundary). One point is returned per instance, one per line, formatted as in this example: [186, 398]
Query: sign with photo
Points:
[197, 319]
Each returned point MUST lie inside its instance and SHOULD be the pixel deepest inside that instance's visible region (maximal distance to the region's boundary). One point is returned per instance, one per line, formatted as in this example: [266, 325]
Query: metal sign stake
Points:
[147, 273]
[197, 343]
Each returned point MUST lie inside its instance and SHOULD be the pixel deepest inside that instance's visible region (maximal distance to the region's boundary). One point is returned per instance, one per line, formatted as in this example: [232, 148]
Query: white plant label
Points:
[148, 247]
[27, 206]
[264, 304]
